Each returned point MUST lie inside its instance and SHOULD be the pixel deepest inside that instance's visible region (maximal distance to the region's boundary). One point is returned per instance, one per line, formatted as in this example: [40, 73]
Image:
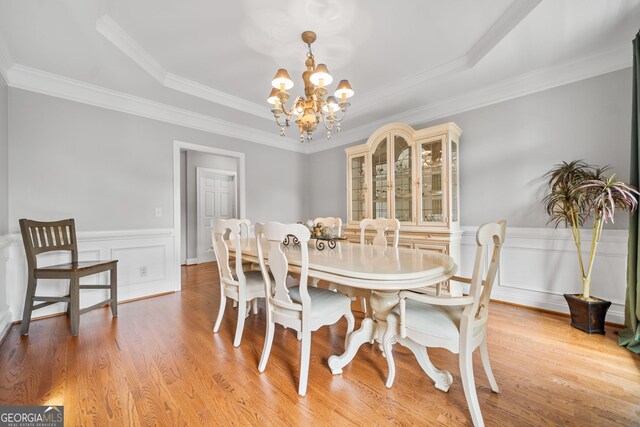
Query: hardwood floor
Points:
[158, 363]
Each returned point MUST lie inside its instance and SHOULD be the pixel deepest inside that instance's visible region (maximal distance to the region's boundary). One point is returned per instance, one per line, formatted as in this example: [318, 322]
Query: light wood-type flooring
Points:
[158, 363]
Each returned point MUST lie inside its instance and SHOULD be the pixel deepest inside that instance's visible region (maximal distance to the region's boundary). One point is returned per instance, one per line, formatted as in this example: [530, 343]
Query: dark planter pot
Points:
[588, 316]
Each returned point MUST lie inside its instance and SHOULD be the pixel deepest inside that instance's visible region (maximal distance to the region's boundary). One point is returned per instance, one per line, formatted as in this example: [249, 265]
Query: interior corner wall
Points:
[110, 170]
[194, 161]
[506, 148]
[4, 156]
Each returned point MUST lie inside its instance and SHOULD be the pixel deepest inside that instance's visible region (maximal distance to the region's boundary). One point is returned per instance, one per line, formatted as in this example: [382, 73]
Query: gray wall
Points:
[195, 160]
[111, 170]
[505, 149]
[4, 154]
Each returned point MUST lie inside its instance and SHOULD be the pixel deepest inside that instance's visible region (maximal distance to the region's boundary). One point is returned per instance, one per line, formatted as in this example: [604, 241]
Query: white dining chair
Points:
[335, 224]
[381, 226]
[458, 324]
[243, 287]
[302, 308]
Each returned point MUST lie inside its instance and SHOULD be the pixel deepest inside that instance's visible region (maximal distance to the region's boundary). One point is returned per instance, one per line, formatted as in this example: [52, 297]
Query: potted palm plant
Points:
[579, 192]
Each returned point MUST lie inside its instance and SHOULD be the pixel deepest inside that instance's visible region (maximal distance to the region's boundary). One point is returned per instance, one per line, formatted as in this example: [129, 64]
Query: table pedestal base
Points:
[386, 334]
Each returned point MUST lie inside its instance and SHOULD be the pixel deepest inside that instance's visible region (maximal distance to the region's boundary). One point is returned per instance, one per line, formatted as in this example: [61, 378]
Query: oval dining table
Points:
[384, 271]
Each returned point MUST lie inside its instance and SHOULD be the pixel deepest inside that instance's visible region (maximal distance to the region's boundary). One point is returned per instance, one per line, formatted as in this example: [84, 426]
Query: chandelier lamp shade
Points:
[315, 106]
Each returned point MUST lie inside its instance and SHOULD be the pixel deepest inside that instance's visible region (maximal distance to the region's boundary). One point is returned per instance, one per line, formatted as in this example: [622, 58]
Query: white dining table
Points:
[384, 271]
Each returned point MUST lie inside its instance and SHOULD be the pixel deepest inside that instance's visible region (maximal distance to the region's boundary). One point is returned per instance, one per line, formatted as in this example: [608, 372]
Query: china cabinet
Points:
[411, 175]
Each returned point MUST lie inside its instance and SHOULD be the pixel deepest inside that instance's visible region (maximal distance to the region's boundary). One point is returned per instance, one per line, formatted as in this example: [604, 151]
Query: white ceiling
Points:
[208, 64]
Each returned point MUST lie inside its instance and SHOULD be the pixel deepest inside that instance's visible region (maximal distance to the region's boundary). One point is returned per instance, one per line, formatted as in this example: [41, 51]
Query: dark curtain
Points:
[630, 337]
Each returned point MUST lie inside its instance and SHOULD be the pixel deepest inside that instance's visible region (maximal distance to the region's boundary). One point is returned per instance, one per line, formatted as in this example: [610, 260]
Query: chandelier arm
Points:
[285, 124]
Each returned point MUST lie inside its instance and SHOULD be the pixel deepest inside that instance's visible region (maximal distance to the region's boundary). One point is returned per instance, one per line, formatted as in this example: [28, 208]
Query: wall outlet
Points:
[158, 212]
[143, 271]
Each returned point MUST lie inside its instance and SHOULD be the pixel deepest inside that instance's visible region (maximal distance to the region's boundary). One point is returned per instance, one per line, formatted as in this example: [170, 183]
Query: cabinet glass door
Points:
[403, 196]
[358, 188]
[432, 197]
[379, 180]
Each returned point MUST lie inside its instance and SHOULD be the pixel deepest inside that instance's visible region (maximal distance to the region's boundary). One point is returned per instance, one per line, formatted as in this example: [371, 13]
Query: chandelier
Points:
[313, 108]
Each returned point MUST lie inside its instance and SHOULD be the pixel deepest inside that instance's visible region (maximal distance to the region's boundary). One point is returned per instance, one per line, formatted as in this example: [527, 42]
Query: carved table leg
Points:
[371, 329]
[442, 379]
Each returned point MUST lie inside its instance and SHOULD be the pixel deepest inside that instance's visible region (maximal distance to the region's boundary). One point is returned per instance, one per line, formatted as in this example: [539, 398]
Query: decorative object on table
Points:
[313, 108]
[578, 192]
[320, 233]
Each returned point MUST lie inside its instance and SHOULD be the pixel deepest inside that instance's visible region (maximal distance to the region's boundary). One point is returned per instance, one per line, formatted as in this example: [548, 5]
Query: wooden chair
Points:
[40, 237]
[381, 226]
[333, 223]
[302, 308]
[458, 324]
[243, 287]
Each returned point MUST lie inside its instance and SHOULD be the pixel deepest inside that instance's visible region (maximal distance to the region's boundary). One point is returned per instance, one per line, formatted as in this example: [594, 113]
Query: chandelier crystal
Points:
[315, 106]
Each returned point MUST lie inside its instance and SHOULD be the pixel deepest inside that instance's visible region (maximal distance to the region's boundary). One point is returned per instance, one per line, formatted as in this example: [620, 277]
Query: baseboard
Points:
[192, 261]
[5, 324]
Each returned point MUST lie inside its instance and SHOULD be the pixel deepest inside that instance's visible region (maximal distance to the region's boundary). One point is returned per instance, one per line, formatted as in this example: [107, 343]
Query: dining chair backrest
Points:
[381, 226]
[40, 237]
[230, 229]
[273, 234]
[334, 223]
[489, 239]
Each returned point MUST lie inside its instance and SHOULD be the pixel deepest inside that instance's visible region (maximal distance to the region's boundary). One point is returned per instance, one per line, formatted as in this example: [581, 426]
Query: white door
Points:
[216, 199]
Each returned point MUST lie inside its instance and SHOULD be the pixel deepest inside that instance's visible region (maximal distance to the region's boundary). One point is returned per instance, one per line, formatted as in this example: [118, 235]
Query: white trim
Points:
[200, 225]
[603, 62]
[503, 26]
[134, 249]
[123, 41]
[522, 85]
[128, 45]
[181, 145]
[5, 323]
[33, 80]
[539, 265]
[7, 239]
[191, 261]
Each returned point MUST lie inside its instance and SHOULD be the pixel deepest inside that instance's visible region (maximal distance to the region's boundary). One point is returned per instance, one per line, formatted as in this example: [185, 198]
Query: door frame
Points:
[199, 171]
[240, 187]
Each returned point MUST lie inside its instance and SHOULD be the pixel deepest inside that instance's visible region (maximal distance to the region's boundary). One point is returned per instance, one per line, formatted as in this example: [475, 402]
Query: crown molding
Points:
[490, 39]
[115, 34]
[33, 80]
[525, 84]
[111, 31]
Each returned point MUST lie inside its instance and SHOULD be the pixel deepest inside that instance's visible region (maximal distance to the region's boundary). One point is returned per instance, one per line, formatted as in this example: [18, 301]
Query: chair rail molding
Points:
[539, 265]
[145, 267]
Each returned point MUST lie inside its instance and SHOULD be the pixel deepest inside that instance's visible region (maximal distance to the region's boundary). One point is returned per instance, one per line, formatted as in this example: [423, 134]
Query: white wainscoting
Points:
[145, 267]
[5, 312]
[539, 265]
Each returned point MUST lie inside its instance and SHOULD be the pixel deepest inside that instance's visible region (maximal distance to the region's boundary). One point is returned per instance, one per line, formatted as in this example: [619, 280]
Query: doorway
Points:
[216, 199]
[229, 189]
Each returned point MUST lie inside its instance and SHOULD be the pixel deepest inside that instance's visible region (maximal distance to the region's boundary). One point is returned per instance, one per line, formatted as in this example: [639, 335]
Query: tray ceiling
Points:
[216, 59]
